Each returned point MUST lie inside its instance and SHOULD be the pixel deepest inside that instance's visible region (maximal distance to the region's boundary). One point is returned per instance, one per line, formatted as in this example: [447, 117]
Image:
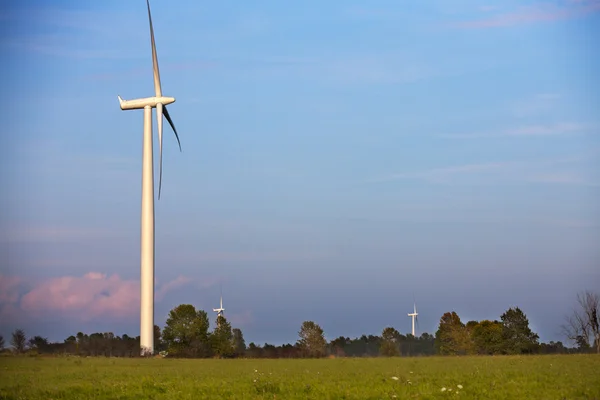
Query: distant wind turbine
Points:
[414, 318]
[147, 226]
[219, 310]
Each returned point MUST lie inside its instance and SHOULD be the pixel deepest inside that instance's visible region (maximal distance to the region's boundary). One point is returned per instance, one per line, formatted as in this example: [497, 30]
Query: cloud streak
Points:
[526, 131]
[538, 12]
[444, 173]
[564, 178]
[541, 171]
[52, 234]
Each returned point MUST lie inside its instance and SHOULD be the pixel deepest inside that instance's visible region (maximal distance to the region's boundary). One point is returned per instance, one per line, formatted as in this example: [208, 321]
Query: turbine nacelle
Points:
[137, 104]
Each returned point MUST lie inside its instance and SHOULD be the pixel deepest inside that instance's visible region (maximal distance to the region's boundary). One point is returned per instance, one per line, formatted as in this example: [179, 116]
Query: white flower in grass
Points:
[395, 378]
[459, 386]
[444, 389]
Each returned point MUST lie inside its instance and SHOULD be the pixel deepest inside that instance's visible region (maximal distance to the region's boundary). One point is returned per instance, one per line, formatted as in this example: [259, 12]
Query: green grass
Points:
[532, 377]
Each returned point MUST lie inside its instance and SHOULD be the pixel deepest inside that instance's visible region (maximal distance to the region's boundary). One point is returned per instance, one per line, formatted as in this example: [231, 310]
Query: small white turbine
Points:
[147, 227]
[219, 310]
[414, 318]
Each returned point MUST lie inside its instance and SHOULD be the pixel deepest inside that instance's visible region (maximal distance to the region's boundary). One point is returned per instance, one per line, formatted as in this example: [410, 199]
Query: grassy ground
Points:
[535, 377]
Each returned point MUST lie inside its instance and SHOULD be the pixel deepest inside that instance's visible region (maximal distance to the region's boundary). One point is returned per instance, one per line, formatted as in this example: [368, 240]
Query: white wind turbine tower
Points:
[414, 318]
[219, 310]
[147, 224]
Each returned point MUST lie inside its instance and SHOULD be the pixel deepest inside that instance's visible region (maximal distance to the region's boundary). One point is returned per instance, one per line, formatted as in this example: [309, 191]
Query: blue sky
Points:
[338, 158]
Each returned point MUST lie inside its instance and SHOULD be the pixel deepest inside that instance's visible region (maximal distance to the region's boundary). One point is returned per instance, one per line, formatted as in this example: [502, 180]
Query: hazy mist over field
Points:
[337, 161]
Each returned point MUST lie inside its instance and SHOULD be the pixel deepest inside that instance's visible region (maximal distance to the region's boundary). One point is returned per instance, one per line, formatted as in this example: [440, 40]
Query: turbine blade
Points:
[157, 87]
[159, 122]
[172, 126]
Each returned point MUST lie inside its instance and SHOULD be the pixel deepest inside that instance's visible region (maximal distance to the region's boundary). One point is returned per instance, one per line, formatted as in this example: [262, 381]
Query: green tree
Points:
[312, 341]
[389, 346]
[222, 338]
[517, 337]
[186, 332]
[39, 343]
[583, 345]
[487, 337]
[71, 345]
[18, 340]
[471, 325]
[452, 337]
[338, 346]
[158, 342]
[239, 344]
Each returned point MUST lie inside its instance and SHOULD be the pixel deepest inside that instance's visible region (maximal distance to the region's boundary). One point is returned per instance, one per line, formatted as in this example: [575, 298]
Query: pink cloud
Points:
[84, 297]
[537, 13]
[90, 296]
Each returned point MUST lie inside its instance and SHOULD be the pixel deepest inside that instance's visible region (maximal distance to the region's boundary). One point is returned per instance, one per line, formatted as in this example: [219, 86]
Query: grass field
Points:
[532, 377]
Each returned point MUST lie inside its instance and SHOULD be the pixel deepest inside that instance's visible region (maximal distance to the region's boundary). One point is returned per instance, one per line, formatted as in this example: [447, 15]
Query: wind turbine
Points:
[147, 224]
[414, 318]
[220, 310]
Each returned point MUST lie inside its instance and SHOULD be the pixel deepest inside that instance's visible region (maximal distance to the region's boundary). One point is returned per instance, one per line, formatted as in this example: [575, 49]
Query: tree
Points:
[186, 332]
[583, 326]
[312, 341]
[1, 342]
[487, 337]
[517, 337]
[338, 346]
[471, 325]
[71, 345]
[39, 343]
[254, 351]
[452, 337]
[18, 340]
[553, 348]
[158, 342]
[239, 344]
[389, 342]
[222, 338]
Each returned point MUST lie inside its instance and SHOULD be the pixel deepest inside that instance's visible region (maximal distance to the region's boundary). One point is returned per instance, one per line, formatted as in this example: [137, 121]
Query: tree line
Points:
[187, 334]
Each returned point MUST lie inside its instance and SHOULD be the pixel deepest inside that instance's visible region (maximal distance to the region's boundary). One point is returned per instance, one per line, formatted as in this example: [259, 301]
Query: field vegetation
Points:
[467, 377]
